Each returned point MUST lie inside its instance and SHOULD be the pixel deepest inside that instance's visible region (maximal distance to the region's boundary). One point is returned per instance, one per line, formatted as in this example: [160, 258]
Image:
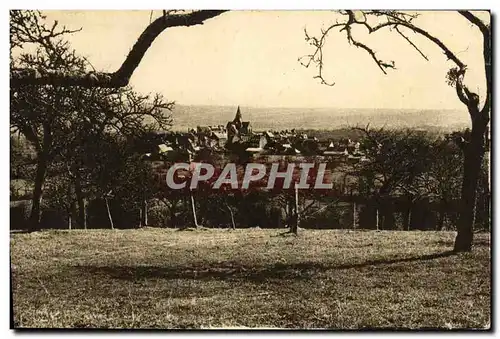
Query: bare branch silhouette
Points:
[121, 77]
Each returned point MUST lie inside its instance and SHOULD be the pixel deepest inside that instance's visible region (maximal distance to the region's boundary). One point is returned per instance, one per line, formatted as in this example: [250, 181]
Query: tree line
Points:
[409, 180]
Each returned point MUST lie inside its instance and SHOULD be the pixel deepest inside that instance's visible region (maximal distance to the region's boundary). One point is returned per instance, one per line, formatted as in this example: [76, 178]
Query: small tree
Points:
[69, 124]
[61, 196]
[41, 114]
[444, 175]
[396, 163]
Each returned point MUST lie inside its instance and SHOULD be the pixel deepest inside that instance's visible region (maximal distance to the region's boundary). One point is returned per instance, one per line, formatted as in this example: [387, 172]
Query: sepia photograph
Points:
[210, 169]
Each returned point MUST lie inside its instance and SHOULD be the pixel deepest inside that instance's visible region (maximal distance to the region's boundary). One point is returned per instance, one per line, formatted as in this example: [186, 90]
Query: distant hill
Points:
[263, 118]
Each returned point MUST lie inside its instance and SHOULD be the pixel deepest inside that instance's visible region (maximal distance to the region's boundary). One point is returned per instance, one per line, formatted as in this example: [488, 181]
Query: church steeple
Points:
[238, 119]
[238, 116]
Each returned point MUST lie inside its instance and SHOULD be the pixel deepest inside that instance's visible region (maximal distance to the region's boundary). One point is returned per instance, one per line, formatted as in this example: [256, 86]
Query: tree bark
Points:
[488, 164]
[193, 208]
[82, 210]
[409, 218]
[385, 213]
[144, 213]
[380, 206]
[441, 216]
[294, 225]
[109, 214]
[474, 150]
[71, 211]
[407, 214]
[473, 155]
[354, 215]
[173, 216]
[233, 225]
[36, 211]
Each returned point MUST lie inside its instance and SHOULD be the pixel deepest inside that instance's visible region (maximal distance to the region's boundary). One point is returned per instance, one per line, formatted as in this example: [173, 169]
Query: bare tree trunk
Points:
[71, 212]
[82, 211]
[294, 225]
[36, 211]
[407, 215]
[173, 216]
[354, 215]
[473, 155]
[441, 215]
[297, 208]
[289, 213]
[144, 213]
[409, 218]
[233, 225]
[488, 164]
[193, 208]
[488, 208]
[109, 214]
[71, 208]
[377, 218]
[440, 223]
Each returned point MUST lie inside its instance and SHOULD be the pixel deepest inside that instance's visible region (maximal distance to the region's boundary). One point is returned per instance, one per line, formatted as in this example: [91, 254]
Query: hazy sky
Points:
[249, 58]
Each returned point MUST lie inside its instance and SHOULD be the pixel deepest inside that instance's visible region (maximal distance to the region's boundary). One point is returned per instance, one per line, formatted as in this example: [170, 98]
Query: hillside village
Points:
[237, 136]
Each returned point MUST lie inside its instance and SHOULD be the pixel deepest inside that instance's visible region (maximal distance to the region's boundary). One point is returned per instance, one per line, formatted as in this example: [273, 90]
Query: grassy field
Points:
[157, 278]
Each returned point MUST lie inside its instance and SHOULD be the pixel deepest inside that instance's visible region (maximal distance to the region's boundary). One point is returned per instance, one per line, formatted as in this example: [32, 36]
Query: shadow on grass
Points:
[237, 271]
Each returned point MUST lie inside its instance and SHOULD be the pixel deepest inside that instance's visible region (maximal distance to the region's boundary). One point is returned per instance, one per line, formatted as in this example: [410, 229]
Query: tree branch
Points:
[449, 54]
[380, 63]
[475, 20]
[120, 78]
[486, 32]
[403, 21]
[460, 92]
[393, 20]
[411, 43]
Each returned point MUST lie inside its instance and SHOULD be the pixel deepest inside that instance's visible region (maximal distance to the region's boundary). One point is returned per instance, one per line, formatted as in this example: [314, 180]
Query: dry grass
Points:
[157, 278]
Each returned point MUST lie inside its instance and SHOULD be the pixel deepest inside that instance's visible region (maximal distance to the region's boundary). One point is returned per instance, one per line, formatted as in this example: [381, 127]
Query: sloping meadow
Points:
[208, 278]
